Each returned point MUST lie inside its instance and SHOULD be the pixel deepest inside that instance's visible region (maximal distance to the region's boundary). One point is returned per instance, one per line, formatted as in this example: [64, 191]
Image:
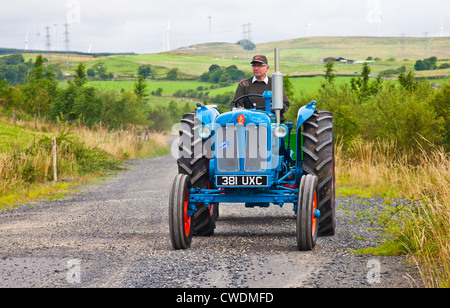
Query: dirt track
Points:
[115, 234]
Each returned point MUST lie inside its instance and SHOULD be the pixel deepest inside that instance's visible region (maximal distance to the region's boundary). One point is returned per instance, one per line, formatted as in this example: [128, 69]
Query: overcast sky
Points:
[141, 25]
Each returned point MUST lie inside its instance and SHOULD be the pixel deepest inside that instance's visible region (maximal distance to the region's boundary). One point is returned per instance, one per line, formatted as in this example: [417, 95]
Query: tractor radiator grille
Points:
[235, 142]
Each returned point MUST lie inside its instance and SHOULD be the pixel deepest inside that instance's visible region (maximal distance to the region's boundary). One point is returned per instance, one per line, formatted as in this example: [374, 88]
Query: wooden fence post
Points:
[55, 174]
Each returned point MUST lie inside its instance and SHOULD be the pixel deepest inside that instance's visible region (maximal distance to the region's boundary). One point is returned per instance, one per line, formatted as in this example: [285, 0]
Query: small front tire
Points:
[307, 223]
[180, 222]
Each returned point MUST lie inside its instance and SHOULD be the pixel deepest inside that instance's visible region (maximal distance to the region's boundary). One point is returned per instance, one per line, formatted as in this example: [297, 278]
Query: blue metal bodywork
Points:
[282, 173]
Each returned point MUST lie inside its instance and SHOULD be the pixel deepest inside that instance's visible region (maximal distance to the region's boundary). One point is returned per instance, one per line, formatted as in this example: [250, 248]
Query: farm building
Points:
[340, 59]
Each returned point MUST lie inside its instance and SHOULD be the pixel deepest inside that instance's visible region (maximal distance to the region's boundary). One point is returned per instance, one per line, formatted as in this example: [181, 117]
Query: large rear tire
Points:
[194, 163]
[318, 160]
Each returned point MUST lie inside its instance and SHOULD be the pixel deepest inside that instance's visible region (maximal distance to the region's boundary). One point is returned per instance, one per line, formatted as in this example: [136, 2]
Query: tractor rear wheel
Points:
[194, 163]
[307, 227]
[318, 160]
[180, 222]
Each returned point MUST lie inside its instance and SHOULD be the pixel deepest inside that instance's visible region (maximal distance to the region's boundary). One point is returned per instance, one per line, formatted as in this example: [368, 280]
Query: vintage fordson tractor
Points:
[247, 156]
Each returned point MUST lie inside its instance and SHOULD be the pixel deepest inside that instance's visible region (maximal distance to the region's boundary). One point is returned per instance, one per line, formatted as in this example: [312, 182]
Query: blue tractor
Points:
[247, 156]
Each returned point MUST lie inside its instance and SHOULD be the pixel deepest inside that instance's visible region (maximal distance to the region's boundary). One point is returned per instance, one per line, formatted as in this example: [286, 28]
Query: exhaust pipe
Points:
[277, 88]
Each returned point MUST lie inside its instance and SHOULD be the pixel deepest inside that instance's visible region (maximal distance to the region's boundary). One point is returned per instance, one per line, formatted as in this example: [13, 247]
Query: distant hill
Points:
[12, 51]
[315, 49]
[301, 57]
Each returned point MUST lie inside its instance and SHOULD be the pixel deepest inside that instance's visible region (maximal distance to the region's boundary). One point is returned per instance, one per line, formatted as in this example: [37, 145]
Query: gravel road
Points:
[114, 233]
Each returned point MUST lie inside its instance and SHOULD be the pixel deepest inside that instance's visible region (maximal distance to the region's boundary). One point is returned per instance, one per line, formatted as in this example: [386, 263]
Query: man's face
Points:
[260, 70]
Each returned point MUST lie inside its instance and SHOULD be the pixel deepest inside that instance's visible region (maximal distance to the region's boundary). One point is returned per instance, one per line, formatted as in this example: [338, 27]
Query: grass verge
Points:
[421, 226]
[83, 154]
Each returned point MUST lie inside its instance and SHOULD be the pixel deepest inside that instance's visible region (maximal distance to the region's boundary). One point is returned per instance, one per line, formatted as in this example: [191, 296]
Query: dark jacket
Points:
[258, 87]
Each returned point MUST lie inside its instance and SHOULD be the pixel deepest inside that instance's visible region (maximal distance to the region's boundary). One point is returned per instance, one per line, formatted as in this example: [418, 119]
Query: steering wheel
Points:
[247, 103]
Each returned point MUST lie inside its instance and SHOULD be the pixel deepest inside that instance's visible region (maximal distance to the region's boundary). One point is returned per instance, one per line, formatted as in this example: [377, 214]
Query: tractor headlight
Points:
[204, 132]
[281, 131]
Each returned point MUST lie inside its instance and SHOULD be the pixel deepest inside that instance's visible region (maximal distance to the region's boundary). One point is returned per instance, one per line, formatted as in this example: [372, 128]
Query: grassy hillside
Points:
[299, 57]
[314, 49]
[305, 56]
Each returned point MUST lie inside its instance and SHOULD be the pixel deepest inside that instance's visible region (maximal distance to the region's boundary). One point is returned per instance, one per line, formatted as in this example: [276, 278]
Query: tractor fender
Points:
[305, 113]
[207, 114]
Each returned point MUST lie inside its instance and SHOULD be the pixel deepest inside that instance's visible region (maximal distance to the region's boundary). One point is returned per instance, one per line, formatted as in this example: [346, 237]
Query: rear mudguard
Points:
[303, 114]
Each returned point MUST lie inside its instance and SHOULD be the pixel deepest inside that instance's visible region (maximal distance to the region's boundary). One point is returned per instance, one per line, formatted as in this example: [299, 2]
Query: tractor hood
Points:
[207, 114]
[244, 117]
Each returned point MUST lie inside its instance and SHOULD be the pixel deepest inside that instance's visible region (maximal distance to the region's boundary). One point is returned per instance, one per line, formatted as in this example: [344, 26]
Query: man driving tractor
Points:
[257, 84]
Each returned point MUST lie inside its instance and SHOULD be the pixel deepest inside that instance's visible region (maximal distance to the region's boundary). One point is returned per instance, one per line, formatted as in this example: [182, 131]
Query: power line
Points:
[47, 37]
[56, 34]
[247, 31]
[39, 40]
[66, 34]
[210, 22]
[67, 41]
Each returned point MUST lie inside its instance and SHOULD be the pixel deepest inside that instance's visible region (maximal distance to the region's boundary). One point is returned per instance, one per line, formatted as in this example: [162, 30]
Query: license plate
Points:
[241, 180]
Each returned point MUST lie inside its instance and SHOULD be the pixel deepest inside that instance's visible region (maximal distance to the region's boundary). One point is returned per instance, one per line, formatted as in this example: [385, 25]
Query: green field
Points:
[13, 136]
[299, 57]
[301, 84]
[169, 87]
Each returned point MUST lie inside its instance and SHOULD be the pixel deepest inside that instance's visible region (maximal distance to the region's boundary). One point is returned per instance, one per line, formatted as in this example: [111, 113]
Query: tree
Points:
[80, 75]
[430, 63]
[217, 74]
[16, 99]
[213, 68]
[246, 44]
[172, 74]
[330, 72]
[140, 88]
[426, 64]
[91, 72]
[145, 70]
[158, 92]
[3, 86]
[407, 81]
[88, 106]
[64, 105]
[362, 86]
[419, 66]
[288, 86]
[100, 69]
[40, 90]
[123, 109]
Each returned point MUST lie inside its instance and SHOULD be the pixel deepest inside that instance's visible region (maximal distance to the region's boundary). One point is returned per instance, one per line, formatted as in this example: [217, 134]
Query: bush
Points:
[426, 64]
[396, 113]
[223, 75]
[246, 44]
[392, 113]
[172, 74]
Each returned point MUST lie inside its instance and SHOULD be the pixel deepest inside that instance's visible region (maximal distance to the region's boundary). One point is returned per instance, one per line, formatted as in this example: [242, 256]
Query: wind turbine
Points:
[379, 21]
[39, 40]
[26, 41]
[307, 26]
[441, 34]
[210, 22]
[168, 35]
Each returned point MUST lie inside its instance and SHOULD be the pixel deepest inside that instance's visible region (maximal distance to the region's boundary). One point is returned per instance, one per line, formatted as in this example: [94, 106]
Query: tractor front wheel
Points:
[318, 152]
[307, 227]
[180, 220]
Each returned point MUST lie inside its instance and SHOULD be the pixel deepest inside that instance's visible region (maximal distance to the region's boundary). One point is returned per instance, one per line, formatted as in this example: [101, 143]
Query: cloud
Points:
[139, 25]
